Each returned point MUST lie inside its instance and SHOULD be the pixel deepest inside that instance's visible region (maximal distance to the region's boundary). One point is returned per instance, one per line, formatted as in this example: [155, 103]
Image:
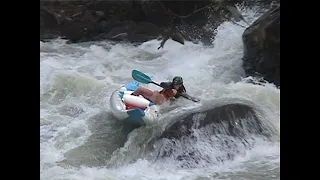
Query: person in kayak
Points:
[170, 90]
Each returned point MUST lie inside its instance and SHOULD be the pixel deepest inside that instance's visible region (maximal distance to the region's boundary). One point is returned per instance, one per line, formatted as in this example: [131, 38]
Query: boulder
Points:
[228, 130]
[131, 20]
[262, 46]
[239, 120]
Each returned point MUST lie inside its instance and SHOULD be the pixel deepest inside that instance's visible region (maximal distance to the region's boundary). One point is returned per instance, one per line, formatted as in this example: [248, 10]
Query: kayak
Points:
[133, 109]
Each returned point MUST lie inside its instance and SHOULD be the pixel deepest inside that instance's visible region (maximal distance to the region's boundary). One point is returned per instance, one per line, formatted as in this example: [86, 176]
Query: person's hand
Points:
[174, 92]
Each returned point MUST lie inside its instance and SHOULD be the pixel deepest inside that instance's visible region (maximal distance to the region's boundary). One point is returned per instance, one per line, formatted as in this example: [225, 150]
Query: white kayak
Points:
[134, 109]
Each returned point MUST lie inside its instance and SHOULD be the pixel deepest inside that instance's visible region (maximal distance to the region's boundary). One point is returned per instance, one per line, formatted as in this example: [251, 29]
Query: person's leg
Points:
[158, 98]
[153, 96]
[147, 93]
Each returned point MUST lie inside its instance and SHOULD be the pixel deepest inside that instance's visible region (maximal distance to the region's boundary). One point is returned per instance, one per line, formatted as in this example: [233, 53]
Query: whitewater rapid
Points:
[80, 139]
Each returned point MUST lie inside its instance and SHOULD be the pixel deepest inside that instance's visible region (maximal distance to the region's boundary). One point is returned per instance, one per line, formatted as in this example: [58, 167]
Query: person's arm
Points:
[177, 95]
[180, 92]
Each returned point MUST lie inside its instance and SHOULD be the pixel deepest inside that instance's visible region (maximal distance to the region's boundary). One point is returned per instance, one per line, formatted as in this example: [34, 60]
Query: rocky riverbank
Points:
[262, 46]
[140, 20]
[134, 20]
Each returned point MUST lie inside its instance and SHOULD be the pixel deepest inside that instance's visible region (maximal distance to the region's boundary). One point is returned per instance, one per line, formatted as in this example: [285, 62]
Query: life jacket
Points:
[167, 93]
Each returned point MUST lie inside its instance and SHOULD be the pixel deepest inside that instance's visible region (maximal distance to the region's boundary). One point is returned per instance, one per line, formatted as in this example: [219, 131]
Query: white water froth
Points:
[76, 82]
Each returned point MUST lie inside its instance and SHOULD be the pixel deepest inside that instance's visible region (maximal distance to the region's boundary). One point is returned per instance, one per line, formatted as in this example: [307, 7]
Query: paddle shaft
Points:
[156, 84]
[187, 96]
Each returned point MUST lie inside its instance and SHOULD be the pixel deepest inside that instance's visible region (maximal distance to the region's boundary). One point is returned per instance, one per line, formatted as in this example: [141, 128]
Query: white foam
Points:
[93, 71]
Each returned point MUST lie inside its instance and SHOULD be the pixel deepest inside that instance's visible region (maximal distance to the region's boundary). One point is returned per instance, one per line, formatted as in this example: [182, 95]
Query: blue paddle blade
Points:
[141, 77]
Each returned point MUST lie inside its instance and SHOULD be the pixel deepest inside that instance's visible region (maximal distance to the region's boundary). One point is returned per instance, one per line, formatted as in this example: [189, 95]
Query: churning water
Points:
[80, 139]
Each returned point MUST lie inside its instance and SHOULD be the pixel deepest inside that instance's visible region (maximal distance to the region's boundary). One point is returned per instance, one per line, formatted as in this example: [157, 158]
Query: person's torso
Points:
[168, 93]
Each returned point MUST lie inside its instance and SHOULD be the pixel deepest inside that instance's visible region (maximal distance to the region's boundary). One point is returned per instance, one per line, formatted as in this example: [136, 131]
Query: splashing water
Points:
[80, 139]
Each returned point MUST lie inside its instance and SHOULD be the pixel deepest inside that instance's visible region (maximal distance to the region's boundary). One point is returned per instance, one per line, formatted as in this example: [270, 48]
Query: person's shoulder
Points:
[166, 84]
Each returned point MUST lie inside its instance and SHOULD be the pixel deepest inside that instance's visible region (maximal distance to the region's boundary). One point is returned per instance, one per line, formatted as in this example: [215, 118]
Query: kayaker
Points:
[170, 90]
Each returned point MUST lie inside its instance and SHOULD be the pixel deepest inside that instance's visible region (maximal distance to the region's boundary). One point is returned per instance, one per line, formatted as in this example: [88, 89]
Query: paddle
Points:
[187, 96]
[143, 78]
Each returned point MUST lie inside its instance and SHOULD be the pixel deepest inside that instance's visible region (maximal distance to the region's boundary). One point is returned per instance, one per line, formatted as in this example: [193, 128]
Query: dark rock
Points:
[251, 3]
[131, 20]
[172, 33]
[100, 13]
[262, 47]
[237, 117]
[228, 130]
[133, 32]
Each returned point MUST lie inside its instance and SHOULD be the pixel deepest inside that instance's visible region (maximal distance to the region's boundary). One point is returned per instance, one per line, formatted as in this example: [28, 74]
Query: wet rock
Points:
[235, 119]
[262, 46]
[100, 13]
[86, 20]
[212, 136]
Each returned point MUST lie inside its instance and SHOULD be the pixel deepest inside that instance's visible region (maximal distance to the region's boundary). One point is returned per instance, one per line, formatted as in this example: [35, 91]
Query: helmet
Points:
[177, 80]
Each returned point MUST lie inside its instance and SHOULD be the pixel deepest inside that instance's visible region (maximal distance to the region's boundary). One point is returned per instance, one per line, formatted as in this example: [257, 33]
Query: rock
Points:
[100, 13]
[262, 47]
[274, 4]
[251, 3]
[144, 31]
[133, 32]
[238, 118]
[227, 130]
[235, 13]
[173, 34]
[125, 27]
[86, 20]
